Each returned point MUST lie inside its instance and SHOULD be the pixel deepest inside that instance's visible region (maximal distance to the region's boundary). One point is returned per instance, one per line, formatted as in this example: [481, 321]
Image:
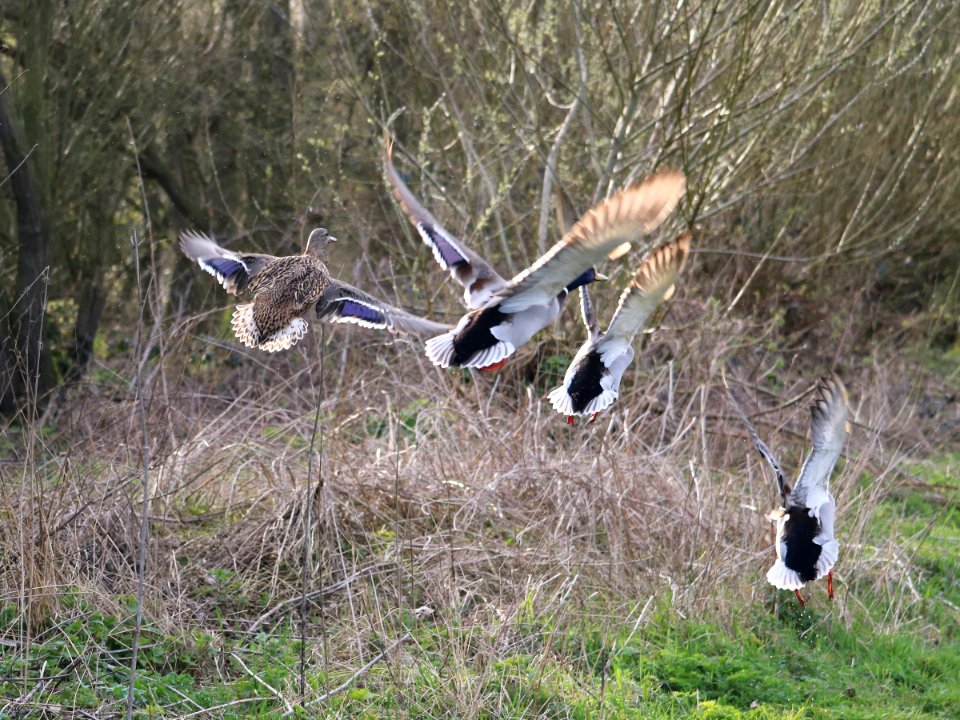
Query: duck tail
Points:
[440, 349]
[287, 337]
[780, 576]
[247, 332]
[829, 551]
[601, 402]
[493, 356]
[561, 401]
[443, 352]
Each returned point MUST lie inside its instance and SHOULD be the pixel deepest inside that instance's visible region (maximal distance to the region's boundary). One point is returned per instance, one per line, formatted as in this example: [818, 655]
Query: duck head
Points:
[319, 239]
[590, 276]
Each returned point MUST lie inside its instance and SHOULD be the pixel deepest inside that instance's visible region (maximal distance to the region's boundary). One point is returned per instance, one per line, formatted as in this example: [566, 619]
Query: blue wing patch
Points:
[223, 266]
[226, 271]
[444, 249]
[353, 311]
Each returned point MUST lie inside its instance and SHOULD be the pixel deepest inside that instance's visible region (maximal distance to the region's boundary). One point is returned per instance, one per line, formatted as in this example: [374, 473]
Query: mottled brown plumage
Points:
[284, 289]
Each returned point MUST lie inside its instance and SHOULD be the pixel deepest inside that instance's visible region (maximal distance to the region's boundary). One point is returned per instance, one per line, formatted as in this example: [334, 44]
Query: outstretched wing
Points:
[623, 218]
[232, 270]
[475, 274]
[343, 303]
[829, 430]
[758, 443]
[588, 313]
[652, 283]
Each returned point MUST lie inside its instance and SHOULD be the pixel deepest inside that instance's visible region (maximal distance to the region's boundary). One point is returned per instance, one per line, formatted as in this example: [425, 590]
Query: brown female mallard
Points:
[284, 289]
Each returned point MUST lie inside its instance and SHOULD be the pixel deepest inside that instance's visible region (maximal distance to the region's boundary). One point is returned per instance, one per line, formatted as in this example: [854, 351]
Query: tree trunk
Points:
[28, 364]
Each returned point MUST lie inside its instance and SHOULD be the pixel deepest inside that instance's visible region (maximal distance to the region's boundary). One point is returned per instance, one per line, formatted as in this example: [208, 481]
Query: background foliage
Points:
[819, 137]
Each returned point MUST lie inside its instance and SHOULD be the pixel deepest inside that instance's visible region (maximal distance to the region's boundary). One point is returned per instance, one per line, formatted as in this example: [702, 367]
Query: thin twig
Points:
[263, 682]
[308, 504]
[145, 498]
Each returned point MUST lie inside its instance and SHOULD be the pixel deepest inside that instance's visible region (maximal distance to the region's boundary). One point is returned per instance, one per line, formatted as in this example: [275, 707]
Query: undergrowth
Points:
[472, 555]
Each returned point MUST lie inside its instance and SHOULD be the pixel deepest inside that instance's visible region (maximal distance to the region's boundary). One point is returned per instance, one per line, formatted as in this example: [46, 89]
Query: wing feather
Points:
[475, 274]
[625, 217]
[758, 443]
[343, 303]
[829, 430]
[651, 284]
[232, 270]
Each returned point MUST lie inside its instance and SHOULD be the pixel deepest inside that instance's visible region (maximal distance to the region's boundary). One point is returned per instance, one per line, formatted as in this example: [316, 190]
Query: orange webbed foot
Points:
[569, 419]
[593, 417]
[830, 584]
[800, 598]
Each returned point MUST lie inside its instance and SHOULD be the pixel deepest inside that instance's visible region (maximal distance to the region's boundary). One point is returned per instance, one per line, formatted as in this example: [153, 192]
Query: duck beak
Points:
[598, 277]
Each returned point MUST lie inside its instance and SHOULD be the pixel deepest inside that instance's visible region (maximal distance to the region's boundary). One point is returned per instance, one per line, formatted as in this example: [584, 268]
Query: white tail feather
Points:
[491, 355]
[780, 576]
[829, 552]
[563, 403]
[287, 337]
[440, 349]
[600, 402]
[561, 400]
[440, 352]
[247, 332]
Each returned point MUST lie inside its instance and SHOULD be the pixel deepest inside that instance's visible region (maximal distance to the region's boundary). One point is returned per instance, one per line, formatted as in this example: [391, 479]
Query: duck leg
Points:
[830, 584]
[800, 598]
[569, 419]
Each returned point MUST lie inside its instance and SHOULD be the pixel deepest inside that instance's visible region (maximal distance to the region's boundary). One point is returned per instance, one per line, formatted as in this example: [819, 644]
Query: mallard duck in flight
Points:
[807, 548]
[592, 381]
[284, 290]
[504, 314]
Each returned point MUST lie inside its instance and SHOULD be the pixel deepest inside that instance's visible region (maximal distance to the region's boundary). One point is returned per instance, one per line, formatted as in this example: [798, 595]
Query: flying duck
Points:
[478, 278]
[285, 288]
[806, 546]
[510, 315]
[481, 347]
[592, 381]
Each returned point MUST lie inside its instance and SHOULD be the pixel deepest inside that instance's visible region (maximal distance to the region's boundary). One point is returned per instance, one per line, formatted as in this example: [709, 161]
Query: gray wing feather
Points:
[232, 270]
[464, 265]
[829, 431]
[758, 443]
[651, 284]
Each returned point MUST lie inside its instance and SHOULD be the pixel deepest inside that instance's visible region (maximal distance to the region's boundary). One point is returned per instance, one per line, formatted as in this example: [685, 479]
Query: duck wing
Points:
[475, 274]
[343, 303]
[829, 430]
[605, 228]
[232, 270]
[652, 283]
[589, 314]
[759, 444]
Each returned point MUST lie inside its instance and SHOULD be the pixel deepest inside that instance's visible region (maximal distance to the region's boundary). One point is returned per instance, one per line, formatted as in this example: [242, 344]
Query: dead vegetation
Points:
[442, 490]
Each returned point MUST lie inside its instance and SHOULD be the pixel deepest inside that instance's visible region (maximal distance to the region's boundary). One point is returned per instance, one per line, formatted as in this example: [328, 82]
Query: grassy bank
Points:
[478, 564]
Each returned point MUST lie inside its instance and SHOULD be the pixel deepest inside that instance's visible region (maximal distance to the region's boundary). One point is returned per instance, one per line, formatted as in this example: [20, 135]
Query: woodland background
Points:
[612, 568]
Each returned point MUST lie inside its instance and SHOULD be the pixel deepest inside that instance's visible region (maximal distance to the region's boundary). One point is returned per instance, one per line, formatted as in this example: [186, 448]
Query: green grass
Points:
[925, 519]
[792, 665]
